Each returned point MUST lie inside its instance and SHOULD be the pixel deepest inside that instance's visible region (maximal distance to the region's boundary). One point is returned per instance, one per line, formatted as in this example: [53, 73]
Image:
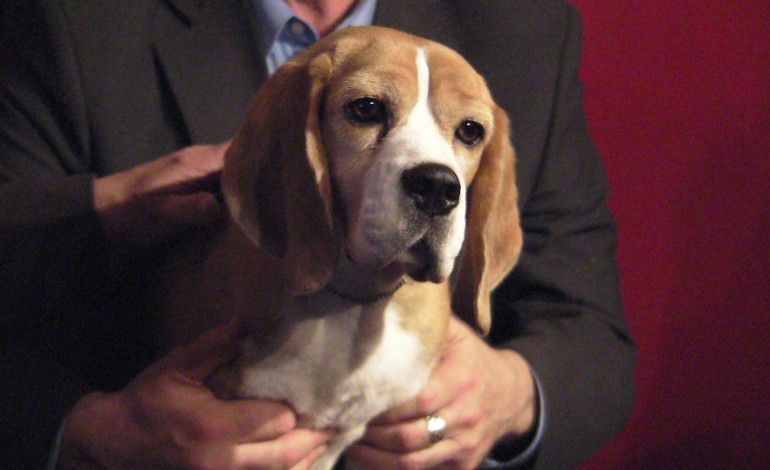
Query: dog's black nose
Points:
[434, 188]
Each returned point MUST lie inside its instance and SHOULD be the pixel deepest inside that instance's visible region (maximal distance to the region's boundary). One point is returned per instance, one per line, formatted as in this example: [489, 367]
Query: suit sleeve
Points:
[560, 308]
[49, 233]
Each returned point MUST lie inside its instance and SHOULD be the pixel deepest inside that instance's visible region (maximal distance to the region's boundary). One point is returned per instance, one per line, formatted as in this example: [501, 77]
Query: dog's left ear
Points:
[492, 236]
[276, 178]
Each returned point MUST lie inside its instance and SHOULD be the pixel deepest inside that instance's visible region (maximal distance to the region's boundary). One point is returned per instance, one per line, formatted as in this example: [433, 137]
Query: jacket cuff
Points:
[526, 457]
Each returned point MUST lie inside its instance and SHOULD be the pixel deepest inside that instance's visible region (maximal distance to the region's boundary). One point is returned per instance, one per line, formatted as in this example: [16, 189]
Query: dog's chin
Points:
[421, 263]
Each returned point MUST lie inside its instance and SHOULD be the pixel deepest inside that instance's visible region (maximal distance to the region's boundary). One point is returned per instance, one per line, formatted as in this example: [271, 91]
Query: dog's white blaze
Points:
[421, 131]
[423, 81]
[437, 149]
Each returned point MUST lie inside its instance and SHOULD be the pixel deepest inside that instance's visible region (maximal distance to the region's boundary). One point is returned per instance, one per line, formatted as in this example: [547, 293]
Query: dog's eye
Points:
[470, 132]
[367, 111]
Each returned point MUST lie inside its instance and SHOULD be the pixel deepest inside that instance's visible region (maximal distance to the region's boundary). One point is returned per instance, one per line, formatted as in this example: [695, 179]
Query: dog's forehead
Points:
[378, 58]
[371, 64]
[452, 73]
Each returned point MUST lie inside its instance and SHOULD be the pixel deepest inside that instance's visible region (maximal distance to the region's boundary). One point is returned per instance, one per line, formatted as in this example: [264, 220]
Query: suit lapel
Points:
[210, 65]
[188, 10]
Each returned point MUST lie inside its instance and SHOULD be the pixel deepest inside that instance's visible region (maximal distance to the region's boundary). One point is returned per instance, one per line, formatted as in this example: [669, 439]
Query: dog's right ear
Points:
[276, 177]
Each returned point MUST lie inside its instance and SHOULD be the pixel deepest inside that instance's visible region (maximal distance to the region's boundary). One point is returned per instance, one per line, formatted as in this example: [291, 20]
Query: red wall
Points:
[678, 101]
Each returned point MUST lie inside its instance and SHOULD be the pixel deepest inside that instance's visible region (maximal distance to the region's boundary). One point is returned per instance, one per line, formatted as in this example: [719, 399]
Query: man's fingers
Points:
[305, 463]
[408, 436]
[200, 166]
[361, 456]
[292, 450]
[252, 420]
[187, 170]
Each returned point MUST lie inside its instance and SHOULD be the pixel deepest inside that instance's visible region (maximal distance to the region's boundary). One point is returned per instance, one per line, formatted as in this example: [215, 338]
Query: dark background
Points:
[678, 101]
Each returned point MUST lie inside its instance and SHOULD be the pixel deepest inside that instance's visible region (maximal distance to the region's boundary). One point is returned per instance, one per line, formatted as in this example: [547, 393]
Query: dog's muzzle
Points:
[434, 188]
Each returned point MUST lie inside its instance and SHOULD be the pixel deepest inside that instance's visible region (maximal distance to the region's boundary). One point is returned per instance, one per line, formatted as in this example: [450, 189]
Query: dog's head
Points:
[383, 150]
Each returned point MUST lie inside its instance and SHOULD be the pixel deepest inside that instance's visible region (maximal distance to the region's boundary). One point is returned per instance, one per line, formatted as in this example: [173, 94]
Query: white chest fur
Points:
[338, 370]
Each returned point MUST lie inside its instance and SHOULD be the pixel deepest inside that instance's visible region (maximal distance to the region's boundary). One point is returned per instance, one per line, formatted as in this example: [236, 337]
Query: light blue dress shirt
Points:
[283, 34]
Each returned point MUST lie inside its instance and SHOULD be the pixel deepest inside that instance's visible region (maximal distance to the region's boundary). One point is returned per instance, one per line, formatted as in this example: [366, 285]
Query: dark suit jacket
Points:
[99, 86]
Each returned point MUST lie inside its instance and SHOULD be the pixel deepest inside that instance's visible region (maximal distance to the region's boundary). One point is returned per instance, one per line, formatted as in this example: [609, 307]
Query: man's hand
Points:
[167, 418]
[163, 197]
[483, 394]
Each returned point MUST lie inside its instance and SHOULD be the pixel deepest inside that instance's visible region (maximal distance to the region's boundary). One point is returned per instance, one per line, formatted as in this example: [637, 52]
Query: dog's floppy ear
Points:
[276, 178]
[492, 235]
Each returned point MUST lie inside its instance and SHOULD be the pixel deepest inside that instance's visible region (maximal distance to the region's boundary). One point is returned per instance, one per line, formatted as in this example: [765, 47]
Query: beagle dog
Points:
[371, 192]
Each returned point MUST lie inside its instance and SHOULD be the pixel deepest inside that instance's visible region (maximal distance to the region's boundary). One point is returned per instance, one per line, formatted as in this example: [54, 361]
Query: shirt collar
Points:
[273, 15]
